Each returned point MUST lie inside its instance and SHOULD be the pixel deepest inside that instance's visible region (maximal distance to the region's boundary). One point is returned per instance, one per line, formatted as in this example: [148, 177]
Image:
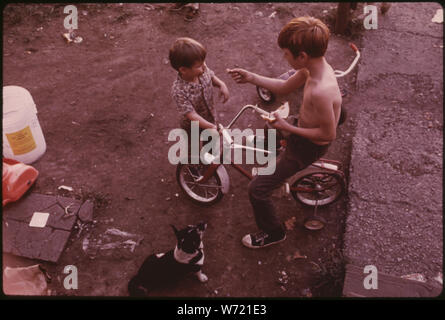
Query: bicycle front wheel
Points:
[207, 193]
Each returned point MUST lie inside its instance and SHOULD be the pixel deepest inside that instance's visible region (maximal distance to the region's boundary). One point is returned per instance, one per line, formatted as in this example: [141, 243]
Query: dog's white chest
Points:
[184, 257]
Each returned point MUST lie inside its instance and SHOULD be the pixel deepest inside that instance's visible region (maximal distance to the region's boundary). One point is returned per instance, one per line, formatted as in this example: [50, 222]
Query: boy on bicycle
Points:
[193, 88]
[304, 41]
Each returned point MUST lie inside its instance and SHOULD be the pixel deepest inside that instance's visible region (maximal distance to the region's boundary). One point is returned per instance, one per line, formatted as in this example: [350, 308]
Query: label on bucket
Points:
[22, 141]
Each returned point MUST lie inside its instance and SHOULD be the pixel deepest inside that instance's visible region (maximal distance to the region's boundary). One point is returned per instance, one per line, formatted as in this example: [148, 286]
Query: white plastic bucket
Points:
[22, 135]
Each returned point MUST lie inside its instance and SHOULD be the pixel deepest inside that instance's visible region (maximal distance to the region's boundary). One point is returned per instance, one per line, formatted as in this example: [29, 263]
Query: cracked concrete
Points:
[45, 243]
[395, 190]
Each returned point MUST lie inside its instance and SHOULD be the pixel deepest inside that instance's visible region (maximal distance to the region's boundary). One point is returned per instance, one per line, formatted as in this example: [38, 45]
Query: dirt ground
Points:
[105, 109]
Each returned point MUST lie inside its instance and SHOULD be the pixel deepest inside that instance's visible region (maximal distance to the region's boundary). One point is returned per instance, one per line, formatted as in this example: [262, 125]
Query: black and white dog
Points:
[165, 269]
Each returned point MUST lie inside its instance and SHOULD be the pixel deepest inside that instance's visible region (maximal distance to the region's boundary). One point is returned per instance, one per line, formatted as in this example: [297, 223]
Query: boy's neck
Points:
[316, 67]
[194, 80]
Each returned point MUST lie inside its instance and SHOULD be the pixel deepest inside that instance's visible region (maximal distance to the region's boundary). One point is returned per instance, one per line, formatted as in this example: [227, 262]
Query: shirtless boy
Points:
[304, 41]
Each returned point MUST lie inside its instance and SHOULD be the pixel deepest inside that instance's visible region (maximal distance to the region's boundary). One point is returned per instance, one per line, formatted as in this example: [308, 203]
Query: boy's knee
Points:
[257, 188]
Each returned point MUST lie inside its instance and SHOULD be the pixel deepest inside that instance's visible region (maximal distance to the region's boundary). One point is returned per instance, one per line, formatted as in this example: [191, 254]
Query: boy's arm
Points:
[325, 132]
[186, 108]
[224, 92]
[277, 86]
[203, 123]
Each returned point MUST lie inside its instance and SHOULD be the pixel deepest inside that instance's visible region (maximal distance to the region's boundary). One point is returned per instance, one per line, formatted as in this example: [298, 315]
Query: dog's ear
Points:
[175, 230]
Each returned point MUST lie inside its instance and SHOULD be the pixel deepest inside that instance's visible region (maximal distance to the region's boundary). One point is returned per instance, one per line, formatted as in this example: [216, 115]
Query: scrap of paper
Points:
[39, 219]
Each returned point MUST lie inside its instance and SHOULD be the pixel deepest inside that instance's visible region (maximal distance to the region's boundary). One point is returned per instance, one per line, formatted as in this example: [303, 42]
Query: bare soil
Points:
[105, 108]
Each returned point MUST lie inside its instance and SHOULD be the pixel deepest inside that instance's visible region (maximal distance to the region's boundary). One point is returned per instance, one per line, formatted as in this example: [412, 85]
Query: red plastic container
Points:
[17, 179]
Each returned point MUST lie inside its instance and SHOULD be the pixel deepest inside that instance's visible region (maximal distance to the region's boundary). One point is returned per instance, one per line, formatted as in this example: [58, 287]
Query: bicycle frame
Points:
[323, 164]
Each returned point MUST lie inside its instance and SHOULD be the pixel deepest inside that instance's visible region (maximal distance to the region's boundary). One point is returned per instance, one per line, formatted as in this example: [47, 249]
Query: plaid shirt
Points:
[198, 97]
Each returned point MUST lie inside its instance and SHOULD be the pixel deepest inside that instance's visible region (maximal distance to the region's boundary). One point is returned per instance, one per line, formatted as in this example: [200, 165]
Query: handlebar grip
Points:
[353, 46]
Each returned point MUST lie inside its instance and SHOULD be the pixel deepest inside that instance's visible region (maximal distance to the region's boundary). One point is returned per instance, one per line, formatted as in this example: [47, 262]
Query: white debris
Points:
[259, 14]
[65, 188]
[415, 276]
[272, 15]
[439, 278]
[78, 39]
[438, 17]
[119, 233]
[105, 242]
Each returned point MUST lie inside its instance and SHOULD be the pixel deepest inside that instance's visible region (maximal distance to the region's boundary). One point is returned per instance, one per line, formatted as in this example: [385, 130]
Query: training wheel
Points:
[314, 223]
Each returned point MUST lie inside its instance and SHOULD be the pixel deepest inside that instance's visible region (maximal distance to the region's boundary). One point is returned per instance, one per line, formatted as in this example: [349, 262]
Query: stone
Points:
[86, 211]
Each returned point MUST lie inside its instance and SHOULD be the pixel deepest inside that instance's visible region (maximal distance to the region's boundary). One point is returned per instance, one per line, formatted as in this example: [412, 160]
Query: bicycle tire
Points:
[265, 95]
[314, 178]
[184, 179]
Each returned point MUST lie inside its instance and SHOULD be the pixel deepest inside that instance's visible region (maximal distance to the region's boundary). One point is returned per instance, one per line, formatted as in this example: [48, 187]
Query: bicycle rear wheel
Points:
[207, 193]
[265, 94]
[318, 187]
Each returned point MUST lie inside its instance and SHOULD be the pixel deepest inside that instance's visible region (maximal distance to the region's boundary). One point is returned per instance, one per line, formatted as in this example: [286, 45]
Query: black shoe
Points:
[261, 240]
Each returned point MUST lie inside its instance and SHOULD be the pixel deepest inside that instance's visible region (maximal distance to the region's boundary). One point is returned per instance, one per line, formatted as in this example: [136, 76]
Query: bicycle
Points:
[319, 184]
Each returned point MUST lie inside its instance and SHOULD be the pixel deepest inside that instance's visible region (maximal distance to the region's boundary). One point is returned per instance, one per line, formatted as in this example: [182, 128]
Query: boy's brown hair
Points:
[306, 34]
[185, 52]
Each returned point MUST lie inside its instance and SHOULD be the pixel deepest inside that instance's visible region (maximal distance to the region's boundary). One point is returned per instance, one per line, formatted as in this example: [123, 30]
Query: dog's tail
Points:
[135, 289]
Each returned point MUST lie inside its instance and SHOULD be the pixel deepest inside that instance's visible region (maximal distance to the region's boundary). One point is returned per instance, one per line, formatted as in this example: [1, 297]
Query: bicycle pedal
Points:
[283, 191]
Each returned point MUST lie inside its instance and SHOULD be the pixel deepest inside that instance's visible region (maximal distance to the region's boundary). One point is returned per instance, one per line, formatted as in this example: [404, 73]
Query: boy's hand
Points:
[278, 123]
[223, 92]
[240, 75]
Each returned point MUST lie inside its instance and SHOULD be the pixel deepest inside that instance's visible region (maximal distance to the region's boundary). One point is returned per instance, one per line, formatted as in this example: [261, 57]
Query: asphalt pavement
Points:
[394, 219]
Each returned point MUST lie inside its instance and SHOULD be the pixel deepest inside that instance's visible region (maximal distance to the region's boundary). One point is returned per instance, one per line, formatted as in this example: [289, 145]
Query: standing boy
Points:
[193, 88]
[304, 41]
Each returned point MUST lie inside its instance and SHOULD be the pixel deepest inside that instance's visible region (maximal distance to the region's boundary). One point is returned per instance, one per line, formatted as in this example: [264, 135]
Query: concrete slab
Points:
[35, 243]
[387, 286]
[23, 209]
[45, 243]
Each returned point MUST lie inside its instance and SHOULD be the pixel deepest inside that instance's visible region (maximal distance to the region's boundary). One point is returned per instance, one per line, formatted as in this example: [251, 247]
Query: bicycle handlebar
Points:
[353, 46]
[248, 106]
[339, 73]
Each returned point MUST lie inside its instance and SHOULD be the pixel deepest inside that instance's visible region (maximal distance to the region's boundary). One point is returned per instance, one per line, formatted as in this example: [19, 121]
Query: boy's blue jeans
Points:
[299, 154]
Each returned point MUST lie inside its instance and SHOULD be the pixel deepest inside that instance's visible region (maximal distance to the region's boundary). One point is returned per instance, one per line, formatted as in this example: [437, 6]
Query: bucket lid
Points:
[16, 98]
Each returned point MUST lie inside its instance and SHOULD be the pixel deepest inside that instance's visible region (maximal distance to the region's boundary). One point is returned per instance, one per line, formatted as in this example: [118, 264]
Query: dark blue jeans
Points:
[299, 154]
